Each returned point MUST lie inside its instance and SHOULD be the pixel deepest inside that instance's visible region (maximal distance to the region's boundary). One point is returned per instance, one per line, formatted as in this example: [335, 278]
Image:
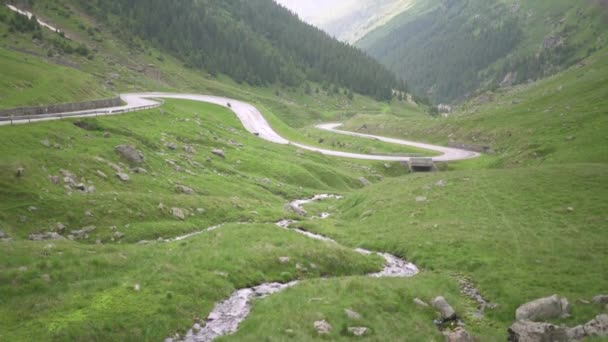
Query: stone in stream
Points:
[130, 153]
[178, 213]
[322, 327]
[445, 309]
[543, 309]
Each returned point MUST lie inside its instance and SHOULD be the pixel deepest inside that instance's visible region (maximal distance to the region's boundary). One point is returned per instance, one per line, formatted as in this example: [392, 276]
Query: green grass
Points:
[28, 81]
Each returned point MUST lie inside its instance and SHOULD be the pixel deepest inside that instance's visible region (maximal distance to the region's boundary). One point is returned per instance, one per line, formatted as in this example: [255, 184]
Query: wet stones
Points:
[445, 309]
[543, 309]
[322, 327]
[130, 153]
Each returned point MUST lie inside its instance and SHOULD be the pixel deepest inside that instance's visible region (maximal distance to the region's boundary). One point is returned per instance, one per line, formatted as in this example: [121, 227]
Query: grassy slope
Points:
[88, 281]
[482, 216]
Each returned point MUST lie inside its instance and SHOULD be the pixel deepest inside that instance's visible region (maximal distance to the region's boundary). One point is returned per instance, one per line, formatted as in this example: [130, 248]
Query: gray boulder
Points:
[527, 331]
[458, 335]
[322, 327]
[352, 314]
[600, 299]
[82, 233]
[219, 153]
[130, 153]
[445, 309]
[543, 309]
[184, 189]
[172, 146]
[597, 327]
[123, 176]
[364, 181]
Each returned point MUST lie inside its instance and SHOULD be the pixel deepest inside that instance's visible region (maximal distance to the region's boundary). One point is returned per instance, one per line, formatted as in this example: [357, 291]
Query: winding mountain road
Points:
[255, 123]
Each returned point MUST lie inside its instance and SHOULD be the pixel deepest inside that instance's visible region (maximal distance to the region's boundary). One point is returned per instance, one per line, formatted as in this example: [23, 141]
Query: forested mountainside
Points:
[450, 49]
[254, 41]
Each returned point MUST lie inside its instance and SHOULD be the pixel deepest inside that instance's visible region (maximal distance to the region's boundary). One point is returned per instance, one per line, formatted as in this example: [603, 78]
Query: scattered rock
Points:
[45, 236]
[322, 327]
[115, 167]
[88, 213]
[189, 149]
[357, 331]
[571, 138]
[352, 314]
[364, 181]
[137, 287]
[118, 235]
[387, 166]
[445, 309]
[107, 135]
[543, 309]
[32, 209]
[178, 213]
[20, 172]
[527, 331]
[139, 170]
[458, 335]
[283, 259]
[184, 189]
[55, 179]
[130, 153]
[46, 278]
[60, 227]
[441, 183]
[23, 269]
[82, 233]
[420, 303]
[45, 143]
[123, 176]
[421, 199]
[597, 327]
[218, 152]
[101, 174]
[600, 299]
[171, 146]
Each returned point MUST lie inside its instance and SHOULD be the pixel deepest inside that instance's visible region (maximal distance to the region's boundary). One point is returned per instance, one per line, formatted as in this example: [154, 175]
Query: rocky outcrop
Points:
[543, 309]
[45, 236]
[527, 331]
[597, 327]
[364, 181]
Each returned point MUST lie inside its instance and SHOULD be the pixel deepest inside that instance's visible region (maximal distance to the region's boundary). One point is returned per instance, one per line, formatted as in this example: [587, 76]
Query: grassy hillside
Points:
[523, 223]
[450, 50]
[561, 119]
